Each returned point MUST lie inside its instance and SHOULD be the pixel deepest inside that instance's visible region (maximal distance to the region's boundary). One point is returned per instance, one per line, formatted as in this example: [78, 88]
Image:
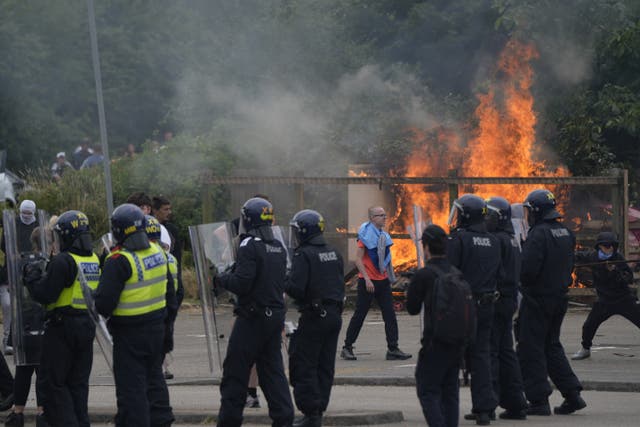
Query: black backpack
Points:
[453, 309]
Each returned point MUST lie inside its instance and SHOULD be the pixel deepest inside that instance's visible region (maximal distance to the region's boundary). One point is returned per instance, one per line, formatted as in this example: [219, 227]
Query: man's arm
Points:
[60, 273]
[532, 257]
[361, 268]
[240, 282]
[416, 292]
[115, 273]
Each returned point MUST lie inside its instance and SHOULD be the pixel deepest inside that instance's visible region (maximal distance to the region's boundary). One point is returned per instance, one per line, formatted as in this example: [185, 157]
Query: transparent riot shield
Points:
[27, 315]
[213, 250]
[415, 231]
[520, 226]
[282, 234]
[103, 337]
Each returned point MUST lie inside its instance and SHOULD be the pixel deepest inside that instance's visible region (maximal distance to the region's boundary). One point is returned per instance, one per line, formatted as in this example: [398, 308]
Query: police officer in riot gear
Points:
[506, 376]
[476, 253]
[547, 263]
[258, 281]
[137, 292]
[69, 331]
[317, 285]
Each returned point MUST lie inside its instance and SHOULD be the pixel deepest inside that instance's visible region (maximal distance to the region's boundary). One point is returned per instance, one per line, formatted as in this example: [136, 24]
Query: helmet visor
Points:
[454, 216]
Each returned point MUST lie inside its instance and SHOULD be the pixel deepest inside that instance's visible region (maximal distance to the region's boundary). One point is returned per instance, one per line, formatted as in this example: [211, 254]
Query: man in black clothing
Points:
[611, 278]
[317, 285]
[258, 282]
[505, 369]
[438, 362]
[69, 331]
[161, 209]
[476, 253]
[547, 263]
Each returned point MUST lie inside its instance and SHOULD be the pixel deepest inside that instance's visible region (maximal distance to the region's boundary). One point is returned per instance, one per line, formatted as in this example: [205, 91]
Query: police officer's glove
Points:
[32, 272]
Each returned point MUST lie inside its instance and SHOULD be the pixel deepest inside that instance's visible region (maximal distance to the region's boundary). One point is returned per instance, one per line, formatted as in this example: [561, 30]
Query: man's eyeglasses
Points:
[381, 215]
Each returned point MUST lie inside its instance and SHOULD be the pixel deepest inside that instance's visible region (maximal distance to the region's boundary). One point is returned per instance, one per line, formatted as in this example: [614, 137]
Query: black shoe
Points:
[397, 354]
[6, 402]
[514, 414]
[41, 421]
[473, 416]
[168, 375]
[14, 420]
[482, 419]
[347, 353]
[308, 421]
[570, 405]
[539, 408]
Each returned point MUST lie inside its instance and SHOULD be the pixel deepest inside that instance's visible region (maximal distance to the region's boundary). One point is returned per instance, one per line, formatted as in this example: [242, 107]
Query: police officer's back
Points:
[137, 293]
[258, 282]
[317, 285]
[547, 262]
[476, 253]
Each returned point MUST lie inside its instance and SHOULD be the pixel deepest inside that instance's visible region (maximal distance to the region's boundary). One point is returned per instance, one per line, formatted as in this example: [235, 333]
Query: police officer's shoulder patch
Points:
[245, 241]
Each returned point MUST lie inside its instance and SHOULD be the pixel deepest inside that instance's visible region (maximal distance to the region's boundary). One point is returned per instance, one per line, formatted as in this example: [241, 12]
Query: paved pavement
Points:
[372, 390]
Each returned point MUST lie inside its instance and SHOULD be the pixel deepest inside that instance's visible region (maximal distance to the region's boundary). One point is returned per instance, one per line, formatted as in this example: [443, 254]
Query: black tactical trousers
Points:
[255, 339]
[312, 357]
[141, 391]
[65, 369]
[627, 308]
[482, 397]
[505, 368]
[539, 350]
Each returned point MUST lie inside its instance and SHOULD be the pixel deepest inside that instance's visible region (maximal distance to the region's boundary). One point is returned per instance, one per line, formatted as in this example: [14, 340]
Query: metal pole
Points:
[101, 118]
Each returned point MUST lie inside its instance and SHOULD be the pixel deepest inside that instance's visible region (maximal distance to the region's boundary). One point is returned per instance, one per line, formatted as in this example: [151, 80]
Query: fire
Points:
[357, 174]
[501, 145]
[574, 281]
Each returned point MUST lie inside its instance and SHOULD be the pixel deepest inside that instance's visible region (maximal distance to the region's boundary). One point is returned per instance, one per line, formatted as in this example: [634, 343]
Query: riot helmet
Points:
[72, 229]
[153, 228]
[256, 212]
[498, 214]
[306, 224]
[128, 224]
[467, 210]
[540, 206]
[607, 238]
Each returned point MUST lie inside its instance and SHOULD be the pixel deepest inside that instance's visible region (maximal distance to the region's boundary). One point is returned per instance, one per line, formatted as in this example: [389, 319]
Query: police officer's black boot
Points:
[570, 405]
[14, 420]
[540, 407]
[309, 420]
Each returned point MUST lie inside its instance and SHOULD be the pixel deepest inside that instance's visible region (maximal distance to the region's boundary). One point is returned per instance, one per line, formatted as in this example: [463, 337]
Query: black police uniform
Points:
[438, 363]
[476, 253]
[317, 285]
[138, 348]
[67, 345]
[614, 296]
[506, 375]
[258, 281]
[547, 263]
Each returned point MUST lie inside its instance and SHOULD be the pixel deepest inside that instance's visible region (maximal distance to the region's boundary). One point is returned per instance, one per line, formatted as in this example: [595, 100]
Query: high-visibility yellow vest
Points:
[72, 296]
[144, 292]
[173, 266]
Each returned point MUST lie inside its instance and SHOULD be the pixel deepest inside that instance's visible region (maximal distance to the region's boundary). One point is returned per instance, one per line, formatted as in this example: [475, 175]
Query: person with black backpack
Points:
[449, 323]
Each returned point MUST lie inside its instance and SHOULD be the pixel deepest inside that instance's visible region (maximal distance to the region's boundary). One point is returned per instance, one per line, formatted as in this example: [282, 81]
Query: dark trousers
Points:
[382, 294]
[628, 308]
[437, 384]
[22, 385]
[6, 379]
[141, 391]
[255, 339]
[505, 368]
[312, 358]
[65, 370]
[482, 397]
[539, 350]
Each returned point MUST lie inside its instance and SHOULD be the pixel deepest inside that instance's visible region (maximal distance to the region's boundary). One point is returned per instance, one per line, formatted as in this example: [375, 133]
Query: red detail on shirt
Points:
[372, 271]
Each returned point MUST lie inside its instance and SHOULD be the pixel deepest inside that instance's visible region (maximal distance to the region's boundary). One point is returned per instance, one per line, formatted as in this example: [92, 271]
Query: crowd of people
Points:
[475, 281]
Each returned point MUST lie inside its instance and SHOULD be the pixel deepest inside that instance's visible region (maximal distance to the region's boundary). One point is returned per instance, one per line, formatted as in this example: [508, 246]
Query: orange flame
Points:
[502, 145]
